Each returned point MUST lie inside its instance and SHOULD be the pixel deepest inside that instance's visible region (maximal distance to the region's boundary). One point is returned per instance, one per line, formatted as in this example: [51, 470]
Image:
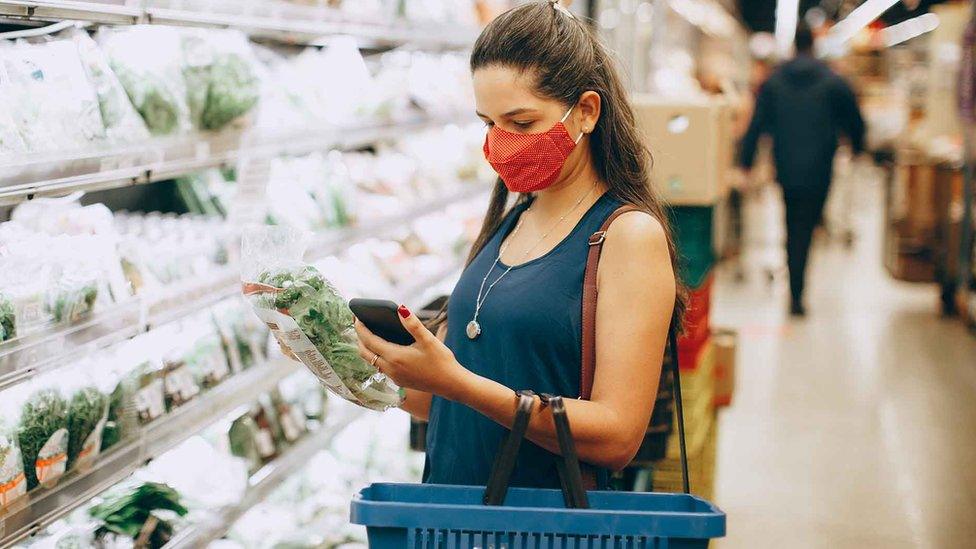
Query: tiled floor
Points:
[853, 428]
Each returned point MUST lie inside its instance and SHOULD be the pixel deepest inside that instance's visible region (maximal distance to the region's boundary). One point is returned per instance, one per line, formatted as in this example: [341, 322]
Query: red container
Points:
[697, 324]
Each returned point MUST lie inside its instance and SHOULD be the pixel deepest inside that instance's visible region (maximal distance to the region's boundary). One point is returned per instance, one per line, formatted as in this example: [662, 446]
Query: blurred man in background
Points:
[804, 106]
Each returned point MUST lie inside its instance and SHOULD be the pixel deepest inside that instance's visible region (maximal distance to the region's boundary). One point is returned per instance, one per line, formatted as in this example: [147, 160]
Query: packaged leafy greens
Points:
[148, 62]
[42, 433]
[221, 77]
[13, 482]
[8, 321]
[122, 122]
[204, 354]
[145, 510]
[310, 320]
[87, 414]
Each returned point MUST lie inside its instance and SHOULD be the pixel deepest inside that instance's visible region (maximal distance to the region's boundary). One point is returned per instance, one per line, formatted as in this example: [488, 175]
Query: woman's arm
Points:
[637, 289]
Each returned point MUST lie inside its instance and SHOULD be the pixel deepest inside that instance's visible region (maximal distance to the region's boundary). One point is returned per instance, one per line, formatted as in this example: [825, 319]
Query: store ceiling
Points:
[759, 15]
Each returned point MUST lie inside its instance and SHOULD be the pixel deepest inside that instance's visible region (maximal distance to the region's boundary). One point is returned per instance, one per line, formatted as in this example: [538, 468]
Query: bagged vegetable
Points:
[87, 415]
[42, 433]
[205, 355]
[55, 106]
[148, 62]
[145, 509]
[220, 70]
[122, 122]
[13, 482]
[310, 320]
[8, 322]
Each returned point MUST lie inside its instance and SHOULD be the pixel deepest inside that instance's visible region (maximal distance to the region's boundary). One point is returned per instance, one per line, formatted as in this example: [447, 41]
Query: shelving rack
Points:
[264, 481]
[44, 506]
[33, 354]
[266, 20]
[25, 177]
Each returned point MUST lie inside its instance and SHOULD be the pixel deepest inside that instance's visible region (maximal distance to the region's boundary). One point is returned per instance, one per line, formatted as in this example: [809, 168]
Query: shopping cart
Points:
[411, 516]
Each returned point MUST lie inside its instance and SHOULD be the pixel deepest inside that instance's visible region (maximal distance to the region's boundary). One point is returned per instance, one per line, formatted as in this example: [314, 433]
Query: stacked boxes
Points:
[692, 145]
[698, 385]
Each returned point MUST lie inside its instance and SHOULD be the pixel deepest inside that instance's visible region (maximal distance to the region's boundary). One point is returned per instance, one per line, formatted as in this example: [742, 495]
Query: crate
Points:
[697, 322]
[726, 347]
[693, 228]
[666, 473]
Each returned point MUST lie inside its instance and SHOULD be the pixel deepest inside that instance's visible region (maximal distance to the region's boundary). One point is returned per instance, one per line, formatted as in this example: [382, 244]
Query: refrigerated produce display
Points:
[123, 331]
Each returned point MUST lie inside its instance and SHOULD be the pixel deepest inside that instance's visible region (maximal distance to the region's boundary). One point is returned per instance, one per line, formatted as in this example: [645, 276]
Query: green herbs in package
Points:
[308, 317]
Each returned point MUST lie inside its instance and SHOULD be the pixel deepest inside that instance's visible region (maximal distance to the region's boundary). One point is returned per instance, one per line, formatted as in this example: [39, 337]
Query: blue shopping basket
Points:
[399, 516]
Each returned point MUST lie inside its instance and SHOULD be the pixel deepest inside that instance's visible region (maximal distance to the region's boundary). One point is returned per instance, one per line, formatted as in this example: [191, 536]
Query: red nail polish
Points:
[404, 311]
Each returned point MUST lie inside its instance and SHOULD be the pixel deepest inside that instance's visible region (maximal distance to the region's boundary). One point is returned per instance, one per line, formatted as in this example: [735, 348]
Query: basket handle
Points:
[570, 476]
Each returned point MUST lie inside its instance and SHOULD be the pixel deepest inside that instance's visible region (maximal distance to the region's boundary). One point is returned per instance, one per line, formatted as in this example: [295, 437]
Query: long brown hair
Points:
[568, 59]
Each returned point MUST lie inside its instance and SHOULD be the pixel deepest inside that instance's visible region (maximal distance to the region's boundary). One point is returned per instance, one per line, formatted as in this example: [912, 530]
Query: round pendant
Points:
[473, 329]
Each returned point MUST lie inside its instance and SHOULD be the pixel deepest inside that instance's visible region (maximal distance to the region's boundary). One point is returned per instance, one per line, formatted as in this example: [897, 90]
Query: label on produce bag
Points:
[13, 483]
[52, 460]
[290, 425]
[265, 443]
[29, 311]
[150, 402]
[91, 448]
[294, 342]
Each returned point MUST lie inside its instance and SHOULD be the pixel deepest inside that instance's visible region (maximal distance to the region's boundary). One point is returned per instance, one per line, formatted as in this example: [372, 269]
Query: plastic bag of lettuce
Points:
[221, 74]
[310, 319]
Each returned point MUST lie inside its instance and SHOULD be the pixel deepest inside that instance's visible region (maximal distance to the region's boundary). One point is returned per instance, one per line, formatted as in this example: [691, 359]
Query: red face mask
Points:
[529, 162]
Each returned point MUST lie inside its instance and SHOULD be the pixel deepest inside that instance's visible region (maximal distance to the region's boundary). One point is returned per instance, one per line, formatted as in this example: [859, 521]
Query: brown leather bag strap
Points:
[590, 298]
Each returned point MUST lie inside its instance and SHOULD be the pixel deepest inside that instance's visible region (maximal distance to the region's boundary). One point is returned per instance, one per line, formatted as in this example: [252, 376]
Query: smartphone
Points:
[381, 317]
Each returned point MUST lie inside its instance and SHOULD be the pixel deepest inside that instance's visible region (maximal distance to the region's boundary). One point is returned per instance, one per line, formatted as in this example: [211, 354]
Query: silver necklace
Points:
[473, 329]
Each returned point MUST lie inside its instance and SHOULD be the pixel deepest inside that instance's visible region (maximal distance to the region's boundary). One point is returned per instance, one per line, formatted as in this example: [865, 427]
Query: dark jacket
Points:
[804, 106]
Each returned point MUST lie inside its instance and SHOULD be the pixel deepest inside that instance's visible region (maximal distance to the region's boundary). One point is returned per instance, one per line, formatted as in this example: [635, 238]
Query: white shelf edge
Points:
[160, 159]
[303, 25]
[43, 507]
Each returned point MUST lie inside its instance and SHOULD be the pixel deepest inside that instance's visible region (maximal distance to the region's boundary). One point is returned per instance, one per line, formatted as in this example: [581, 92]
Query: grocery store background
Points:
[140, 401]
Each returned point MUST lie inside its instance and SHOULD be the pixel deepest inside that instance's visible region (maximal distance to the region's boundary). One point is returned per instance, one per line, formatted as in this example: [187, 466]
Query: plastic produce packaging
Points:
[310, 320]
[221, 74]
[87, 415]
[42, 430]
[123, 125]
[52, 102]
[148, 62]
[13, 482]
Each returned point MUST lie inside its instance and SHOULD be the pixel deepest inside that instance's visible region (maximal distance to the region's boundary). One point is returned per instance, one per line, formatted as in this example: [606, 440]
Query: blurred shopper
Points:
[804, 107]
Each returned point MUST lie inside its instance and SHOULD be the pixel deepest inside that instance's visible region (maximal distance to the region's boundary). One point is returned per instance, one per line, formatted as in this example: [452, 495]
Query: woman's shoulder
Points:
[637, 228]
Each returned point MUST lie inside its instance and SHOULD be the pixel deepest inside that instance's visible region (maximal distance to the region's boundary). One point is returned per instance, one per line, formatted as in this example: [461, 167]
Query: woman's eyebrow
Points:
[521, 110]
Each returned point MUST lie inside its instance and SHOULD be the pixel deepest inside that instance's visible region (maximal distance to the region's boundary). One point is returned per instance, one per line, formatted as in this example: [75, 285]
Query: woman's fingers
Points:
[413, 325]
[375, 343]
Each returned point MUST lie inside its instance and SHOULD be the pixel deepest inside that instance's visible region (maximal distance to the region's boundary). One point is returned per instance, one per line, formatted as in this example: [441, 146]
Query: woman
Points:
[562, 135]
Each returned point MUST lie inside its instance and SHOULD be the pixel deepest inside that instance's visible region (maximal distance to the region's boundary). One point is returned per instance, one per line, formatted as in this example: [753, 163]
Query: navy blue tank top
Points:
[531, 339]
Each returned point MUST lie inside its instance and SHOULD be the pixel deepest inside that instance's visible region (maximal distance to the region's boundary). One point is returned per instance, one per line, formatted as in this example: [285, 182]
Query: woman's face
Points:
[506, 97]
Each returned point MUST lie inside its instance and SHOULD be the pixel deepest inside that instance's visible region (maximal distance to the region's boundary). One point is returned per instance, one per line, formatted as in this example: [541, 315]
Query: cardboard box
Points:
[726, 345]
[692, 146]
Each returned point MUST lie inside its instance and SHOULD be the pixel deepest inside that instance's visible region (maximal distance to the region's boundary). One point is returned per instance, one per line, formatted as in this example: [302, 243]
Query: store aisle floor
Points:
[852, 428]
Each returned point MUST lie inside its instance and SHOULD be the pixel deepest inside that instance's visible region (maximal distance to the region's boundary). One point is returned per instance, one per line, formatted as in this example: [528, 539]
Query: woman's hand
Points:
[427, 365]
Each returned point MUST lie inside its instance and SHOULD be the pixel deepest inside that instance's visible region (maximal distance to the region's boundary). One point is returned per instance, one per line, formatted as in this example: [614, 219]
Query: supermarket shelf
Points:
[42, 507]
[28, 176]
[28, 356]
[263, 482]
[25, 356]
[276, 21]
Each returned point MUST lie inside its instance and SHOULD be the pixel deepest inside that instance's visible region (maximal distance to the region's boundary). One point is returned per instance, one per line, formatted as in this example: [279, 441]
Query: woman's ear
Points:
[589, 109]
